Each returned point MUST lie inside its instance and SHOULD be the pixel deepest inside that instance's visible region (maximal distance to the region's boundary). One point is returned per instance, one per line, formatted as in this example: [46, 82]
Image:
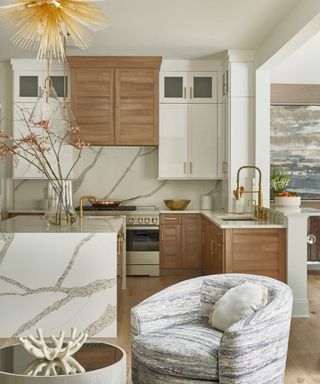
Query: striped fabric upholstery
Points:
[191, 347]
[251, 351]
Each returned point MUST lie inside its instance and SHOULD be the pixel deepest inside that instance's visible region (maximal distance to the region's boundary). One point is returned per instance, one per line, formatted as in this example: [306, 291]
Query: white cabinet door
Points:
[223, 119]
[202, 87]
[173, 87]
[203, 141]
[26, 85]
[173, 140]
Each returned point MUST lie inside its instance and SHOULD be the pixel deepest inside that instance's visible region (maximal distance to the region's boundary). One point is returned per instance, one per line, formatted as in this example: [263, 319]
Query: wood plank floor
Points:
[303, 363]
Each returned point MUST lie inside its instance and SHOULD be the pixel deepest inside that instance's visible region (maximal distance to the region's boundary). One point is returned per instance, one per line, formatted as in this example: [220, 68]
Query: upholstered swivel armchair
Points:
[172, 341]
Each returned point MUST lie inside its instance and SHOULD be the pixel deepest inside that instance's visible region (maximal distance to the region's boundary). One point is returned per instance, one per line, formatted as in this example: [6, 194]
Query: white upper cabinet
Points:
[202, 87]
[173, 141]
[203, 145]
[188, 87]
[173, 87]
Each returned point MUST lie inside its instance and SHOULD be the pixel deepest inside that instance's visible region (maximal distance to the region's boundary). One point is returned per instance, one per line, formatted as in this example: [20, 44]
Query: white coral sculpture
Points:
[39, 348]
[68, 366]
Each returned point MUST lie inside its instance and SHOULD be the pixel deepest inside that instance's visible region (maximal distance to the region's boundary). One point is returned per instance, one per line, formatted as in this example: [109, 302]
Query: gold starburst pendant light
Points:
[43, 24]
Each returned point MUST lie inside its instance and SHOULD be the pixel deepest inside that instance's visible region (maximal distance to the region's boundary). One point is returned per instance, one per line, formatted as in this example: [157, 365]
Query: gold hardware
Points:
[223, 85]
[184, 167]
[82, 198]
[219, 245]
[190, 92]
[170, 218]
[185, 92]
[162, 235]
[190, 166]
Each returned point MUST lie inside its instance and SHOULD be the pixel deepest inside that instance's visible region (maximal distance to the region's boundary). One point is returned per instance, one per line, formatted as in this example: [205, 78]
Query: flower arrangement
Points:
[42, 147]
[279, 181]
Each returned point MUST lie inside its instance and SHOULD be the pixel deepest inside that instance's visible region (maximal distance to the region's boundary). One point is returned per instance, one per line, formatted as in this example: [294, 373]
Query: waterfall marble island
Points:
[56, 278]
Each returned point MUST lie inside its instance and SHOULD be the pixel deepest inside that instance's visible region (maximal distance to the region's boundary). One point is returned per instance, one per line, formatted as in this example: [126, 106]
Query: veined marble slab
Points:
[56, 278]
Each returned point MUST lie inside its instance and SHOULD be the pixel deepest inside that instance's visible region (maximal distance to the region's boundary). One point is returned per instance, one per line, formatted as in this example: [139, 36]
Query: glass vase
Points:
[60, 209]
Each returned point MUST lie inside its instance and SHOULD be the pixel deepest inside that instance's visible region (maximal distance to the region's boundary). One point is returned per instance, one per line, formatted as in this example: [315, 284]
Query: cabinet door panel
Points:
[203, 87]
[137, 106]
[191, 241]
[93, 104]
[173, 87]
[173, 140]
[170, 246]
[26, 85]
[203, 140]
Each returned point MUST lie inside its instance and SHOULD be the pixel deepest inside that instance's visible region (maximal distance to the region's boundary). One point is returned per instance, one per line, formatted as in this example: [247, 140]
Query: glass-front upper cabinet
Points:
[27, 85]
[203, 87]
[188, 87]
[173, 87]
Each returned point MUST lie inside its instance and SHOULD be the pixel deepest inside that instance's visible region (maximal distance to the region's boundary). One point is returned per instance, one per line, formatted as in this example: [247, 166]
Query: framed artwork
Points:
[295, 146]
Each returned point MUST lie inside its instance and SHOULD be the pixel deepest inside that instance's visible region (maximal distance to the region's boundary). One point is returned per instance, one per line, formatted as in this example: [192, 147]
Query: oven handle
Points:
[143, 227]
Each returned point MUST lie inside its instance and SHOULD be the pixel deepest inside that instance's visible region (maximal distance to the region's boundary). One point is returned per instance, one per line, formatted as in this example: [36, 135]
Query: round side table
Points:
[103, 363]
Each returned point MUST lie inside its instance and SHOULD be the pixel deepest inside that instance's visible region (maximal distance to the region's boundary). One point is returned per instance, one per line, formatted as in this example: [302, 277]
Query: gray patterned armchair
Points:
[172, 341]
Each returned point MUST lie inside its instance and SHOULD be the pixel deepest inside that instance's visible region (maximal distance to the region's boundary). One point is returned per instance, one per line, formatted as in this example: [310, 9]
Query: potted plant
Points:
[279, 181]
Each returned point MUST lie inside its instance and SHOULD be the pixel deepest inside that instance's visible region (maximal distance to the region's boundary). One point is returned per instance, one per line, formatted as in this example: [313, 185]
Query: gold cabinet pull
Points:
[190, 92]
[162, 235]
[171, 218]
[185, 92]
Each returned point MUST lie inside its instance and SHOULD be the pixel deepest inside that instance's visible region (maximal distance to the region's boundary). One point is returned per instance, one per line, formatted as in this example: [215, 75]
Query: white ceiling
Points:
[302, 67]
[176, 29]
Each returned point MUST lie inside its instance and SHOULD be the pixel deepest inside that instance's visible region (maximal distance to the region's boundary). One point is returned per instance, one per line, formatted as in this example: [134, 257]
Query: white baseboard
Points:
[300, 308]
[313, 266]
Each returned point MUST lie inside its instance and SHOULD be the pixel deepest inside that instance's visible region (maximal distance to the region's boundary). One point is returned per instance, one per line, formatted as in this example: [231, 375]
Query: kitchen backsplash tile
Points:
[121, 172]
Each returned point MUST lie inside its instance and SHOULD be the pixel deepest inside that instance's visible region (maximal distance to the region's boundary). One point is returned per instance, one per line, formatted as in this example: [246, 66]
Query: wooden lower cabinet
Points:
[213, 249]
[256, 251]
[180, 243]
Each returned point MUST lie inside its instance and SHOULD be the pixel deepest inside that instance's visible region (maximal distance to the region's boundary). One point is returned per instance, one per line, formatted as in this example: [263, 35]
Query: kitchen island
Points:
[56, 277]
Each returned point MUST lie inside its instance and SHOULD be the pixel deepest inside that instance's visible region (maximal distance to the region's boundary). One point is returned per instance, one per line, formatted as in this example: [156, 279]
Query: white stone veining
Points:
[56, 278]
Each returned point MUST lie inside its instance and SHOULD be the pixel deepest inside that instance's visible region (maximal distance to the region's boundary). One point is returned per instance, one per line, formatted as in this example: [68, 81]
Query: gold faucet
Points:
[82, 198]
[259, 213]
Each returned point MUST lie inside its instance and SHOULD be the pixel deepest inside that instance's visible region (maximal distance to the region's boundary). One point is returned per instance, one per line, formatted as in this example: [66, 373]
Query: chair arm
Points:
[177, 304]
[254, 350]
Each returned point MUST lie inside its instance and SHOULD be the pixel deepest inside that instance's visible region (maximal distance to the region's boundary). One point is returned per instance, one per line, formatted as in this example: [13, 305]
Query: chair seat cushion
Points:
[188, 350]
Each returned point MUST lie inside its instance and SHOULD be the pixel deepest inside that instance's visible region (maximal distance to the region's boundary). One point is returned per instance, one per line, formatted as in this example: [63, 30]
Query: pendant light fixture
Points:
[47, 106]
[44, 23]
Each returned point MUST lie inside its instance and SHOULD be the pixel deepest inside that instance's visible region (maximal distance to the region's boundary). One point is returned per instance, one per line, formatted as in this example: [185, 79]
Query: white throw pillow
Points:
[237, 303]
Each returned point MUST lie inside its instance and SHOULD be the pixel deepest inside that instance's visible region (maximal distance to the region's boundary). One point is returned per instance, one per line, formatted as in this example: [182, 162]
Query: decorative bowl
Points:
[291, 201]
[177, 205]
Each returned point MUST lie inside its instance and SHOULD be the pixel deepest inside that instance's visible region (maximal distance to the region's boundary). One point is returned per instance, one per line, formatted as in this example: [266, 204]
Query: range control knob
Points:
[147, 220]
[130, 220]
[140, 220]
[155, 220]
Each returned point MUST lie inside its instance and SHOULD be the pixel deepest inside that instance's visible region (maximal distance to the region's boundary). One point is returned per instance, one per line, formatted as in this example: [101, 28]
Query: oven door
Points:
[142, 239]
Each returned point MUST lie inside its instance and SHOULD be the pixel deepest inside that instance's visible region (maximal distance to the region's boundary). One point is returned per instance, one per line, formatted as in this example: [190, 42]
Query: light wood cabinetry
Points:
[137, 106]
[253, 251]
[213, 249]
[256, 251]
[93, 104]
[116, 99]
[180, 243]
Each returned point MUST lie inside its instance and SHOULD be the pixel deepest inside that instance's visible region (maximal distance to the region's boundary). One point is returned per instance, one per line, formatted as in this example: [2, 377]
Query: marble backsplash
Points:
[119, 173]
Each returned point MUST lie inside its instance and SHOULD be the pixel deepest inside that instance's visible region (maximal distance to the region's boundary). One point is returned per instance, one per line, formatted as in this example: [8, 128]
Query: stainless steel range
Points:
[142, 237]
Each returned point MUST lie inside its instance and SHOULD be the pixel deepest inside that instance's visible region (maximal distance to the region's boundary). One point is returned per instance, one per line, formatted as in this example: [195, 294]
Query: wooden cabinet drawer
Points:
[170, 218]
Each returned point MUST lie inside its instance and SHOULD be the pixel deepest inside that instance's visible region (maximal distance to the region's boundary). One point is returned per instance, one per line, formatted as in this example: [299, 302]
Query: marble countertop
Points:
[89, 224]
[275, 220]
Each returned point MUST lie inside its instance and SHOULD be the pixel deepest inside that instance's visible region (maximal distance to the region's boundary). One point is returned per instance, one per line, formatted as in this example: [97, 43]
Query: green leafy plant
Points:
[279, 180]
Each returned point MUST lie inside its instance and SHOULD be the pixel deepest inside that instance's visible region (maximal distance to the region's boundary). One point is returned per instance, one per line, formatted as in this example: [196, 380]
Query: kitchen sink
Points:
[239, 218]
